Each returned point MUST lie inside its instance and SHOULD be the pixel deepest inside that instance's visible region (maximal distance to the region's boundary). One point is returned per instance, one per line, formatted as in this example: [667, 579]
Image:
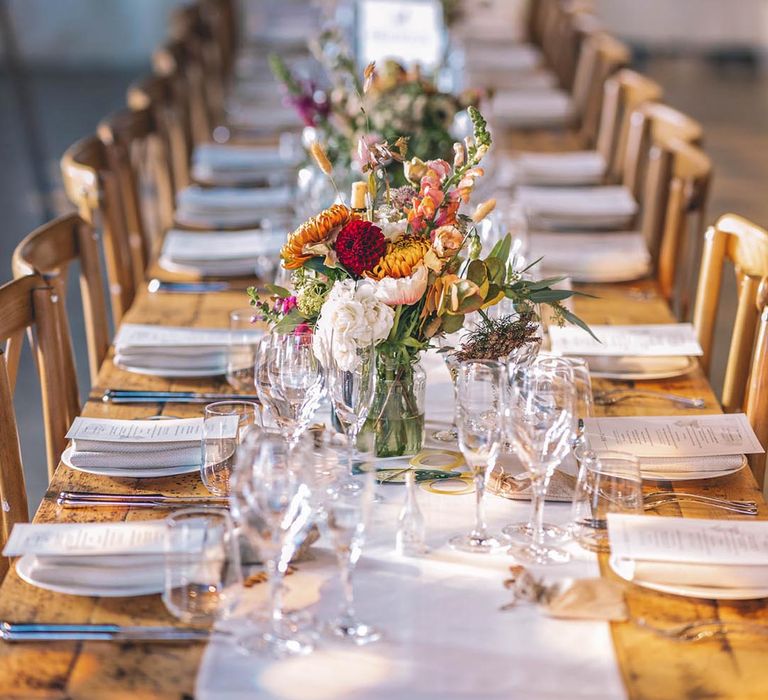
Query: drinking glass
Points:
[480, 401]
[348, 510]
[225, 424]
[297, 381]
[540, 427]
[351, 383]
[609, 482]
[241, 353]
[447, 343]
[273, 505]
[203, 576]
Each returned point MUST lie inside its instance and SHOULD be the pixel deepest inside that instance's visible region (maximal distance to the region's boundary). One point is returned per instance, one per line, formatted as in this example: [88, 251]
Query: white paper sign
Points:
[56, 539]
[688, 540]
[652, 340]
[409, 31]
[114, 430]
[673, 436]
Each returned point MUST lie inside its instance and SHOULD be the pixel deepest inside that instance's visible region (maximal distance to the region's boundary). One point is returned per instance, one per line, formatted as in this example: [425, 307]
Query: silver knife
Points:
[156, 285]
[30, 632]
[118, 396]
[138, 500]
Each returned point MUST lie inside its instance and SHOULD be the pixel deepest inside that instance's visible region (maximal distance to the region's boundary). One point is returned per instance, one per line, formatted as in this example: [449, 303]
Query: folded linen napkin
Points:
[196, 198]
[608, 207]
[566, 168]
[686, 464]
[532, 108]
[226, 157]
[592, 257]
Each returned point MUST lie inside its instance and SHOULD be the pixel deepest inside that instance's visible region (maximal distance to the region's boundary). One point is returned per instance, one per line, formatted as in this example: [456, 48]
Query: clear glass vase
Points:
[396, 418]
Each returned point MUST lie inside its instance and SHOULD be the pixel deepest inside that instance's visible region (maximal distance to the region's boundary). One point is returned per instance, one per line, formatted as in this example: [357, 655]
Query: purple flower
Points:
[310, 104]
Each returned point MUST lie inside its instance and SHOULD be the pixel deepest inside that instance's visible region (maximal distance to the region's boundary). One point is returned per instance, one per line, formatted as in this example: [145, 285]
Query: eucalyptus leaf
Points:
[277, 291]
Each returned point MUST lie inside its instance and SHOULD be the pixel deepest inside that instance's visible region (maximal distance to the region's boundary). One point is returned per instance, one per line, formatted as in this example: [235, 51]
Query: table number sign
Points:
[409, 31]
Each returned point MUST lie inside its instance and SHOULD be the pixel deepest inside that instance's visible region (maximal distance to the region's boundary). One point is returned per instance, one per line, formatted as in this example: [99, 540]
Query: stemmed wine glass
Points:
[351, 385]
[540, 427]
[272, 501]
[348, 510]
[297, 381]
[480, 399]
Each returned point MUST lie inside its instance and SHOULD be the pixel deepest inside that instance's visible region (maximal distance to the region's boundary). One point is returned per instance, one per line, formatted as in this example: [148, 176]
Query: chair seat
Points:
[531, 109]
[591, 257]
[566, 168]
[609, 207]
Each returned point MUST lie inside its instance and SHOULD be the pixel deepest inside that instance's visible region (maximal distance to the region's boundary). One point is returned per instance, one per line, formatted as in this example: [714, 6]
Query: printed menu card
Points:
[650, 340]
[673, 436]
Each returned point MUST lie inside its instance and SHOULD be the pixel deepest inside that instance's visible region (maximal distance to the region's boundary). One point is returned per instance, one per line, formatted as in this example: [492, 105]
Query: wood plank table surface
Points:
[652, 667]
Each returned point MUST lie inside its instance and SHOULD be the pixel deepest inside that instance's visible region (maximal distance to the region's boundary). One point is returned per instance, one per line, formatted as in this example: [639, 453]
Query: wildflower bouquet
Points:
[389, 104]
[403, 266]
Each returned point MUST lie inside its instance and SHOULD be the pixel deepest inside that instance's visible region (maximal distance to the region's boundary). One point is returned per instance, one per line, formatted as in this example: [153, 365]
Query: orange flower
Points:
[312, 232]
[401, 258]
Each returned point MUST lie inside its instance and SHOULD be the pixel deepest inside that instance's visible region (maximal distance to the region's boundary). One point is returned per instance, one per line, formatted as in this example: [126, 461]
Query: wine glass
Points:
[297, 381]
[540, 427]
[241, 353]
[348, 510]
[479, 408]
[225, 424]
[271, 498]
[203, 576]
[351, 384]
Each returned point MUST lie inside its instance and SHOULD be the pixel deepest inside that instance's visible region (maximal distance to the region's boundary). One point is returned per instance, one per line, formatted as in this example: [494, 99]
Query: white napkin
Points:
[532, 108]
[566, 168]
[187, 456]
[127, 576]
[639, 365]
[610, 207]
[232, 165]
[257, 199]
[681, 465]
[218, 252]
[592, 257]
[502, 55]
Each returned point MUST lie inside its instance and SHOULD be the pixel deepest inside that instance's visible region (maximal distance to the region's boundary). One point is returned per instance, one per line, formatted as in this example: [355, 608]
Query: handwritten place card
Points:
[114, 430]
[78, 539]
[688, 540]
[673, 436]
[652, 340]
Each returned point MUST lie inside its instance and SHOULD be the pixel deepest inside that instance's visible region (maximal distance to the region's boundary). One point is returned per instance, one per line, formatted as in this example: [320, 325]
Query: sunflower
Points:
[401, 258]
[312, 232]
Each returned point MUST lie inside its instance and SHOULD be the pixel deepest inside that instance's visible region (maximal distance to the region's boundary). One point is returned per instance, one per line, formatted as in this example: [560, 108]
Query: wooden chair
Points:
[29, 304]
[48, 252]
[676, 193]
[93, 188]
[137, 158]
[756, 406]
[623, 93]
[745, 246]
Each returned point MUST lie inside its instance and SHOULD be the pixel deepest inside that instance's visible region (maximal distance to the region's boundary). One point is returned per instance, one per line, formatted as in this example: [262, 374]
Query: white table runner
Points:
[444, 635]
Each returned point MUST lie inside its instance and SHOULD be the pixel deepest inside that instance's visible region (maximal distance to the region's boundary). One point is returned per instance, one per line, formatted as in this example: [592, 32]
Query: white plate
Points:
[707, 592]
[691, 476]
[129, 473]
[25, 568]
[687, 364]
[173, 372]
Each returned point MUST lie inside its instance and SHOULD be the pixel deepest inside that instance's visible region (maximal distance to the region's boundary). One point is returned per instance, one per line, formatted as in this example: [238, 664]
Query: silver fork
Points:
[657, 498]
[702, 630]
[613, 396]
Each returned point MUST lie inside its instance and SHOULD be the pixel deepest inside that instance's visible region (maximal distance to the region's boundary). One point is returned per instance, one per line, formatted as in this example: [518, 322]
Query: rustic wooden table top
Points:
[652, 667]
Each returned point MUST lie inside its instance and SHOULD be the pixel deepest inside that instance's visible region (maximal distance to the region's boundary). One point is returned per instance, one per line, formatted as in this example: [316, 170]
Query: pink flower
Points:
[302, 328]
[404, 290]
[286, 305]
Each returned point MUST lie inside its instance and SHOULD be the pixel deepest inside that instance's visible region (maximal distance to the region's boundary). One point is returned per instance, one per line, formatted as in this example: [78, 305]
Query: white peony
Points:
[393, 230]
[406, 290]
[351, 316]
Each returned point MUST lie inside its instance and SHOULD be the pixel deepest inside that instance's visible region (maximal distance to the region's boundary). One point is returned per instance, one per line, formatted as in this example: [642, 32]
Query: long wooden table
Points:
[652, 667]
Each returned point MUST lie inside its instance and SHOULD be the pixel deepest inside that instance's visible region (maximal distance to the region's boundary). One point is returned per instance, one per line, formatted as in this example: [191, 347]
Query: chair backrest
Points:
[93, 188]
[566, 25]
[623, 93]
[676, 193]
[165, 98]
[756, 405]
[600, 57]
[48, 252]
[137, 158]
[745, 245]
[30, 305]
[650, 122]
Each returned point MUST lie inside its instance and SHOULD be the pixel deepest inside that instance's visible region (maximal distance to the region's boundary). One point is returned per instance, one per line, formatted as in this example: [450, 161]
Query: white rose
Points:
[350, 317]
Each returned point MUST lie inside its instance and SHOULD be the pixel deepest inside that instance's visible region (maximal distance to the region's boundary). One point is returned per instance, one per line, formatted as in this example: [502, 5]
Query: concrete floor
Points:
[732, 103]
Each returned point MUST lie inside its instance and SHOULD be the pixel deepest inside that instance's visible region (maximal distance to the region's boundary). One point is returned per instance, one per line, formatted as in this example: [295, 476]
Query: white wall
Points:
[688, 23]
[105, 33]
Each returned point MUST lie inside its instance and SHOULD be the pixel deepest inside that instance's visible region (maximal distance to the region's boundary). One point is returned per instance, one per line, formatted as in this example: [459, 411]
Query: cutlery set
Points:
[662, 498]
[87, 499]
[29, 632]
[614, 396]
[125, 396]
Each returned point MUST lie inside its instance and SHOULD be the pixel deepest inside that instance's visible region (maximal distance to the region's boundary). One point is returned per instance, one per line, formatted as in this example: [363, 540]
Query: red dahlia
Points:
[359, 246]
